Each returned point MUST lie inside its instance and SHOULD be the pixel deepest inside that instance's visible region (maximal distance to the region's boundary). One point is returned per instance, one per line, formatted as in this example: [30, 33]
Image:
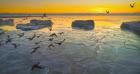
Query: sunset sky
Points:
[68, 6]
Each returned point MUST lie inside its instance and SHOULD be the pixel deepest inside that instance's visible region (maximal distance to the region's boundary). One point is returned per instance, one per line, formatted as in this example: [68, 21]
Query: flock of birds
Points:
[50, 46]
[52, 36]
[132, 5]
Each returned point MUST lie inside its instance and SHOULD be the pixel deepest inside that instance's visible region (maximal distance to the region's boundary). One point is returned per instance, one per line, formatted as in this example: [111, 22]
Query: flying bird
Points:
[32, 37]
[107, 12]
[35, 49]
[60, 43]
[15, 45]
[8, 39]
[37, 66]
[20, 35]
[132, 5]
[61, 33]
[53, 34]
[51, 45]
[51, 39]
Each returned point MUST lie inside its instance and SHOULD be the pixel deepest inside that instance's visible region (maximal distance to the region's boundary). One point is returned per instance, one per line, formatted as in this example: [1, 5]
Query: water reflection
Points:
[105, 50]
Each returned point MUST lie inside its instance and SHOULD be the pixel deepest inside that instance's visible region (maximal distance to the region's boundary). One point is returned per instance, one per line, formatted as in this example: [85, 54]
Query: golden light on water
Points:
[64, 22]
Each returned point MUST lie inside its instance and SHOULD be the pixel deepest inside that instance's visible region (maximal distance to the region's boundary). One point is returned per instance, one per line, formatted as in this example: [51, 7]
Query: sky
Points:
[68, 6]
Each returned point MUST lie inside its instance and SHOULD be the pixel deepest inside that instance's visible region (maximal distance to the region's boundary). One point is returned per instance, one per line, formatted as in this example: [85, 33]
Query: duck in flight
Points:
[35, 49]
[107, 12]
[9, 40]
[37, 66]
[32, 37]
[60, 43]
[15, 45]
[53, 34]
[132, 5]
[51, 45]
[51, 39]
[61, 33]
[20, 35]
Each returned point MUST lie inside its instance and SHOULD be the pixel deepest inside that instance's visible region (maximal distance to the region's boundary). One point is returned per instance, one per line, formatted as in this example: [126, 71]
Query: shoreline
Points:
[5, 15]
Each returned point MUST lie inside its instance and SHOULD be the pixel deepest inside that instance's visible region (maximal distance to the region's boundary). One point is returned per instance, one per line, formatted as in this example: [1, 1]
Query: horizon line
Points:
[72, 13]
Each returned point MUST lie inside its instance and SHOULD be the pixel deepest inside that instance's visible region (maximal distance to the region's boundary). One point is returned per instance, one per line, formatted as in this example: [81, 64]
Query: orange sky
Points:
[53, 6]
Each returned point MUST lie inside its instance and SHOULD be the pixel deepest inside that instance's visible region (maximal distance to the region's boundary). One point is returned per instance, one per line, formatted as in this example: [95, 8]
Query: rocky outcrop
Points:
[34, 25]
[83, 24]
[6, 22]
[131, 26]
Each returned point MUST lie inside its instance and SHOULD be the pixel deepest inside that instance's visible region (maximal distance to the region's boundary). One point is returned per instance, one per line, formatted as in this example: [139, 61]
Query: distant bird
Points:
[9, 40]
[60, 43]
[32, 37]
[53, 34]
[132, 5]
[61, 33]
[51, 45]
[38, 42]
[15, 45]
[107, 12]
[20, 35]
[37, 66]
[51, 39]
[35, 49]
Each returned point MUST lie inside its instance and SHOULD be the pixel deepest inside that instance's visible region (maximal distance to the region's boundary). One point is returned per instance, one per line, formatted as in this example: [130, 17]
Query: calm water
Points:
[104, 50]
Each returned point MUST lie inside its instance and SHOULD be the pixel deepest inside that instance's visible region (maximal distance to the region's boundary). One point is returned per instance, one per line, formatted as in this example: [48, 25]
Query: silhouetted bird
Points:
[51, 45]
[53, 34]
[60, 43]
[51, 39]
[9, 40]
[20, 35]
[35, 49]
[15, 45]
[32, 37]
[61, 33]
[107, 12]
[37, 66]
[132, 5]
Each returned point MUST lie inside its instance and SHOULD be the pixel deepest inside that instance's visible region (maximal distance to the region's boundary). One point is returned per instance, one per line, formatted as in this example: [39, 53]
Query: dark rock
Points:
[131, 26]
[83, 24]
[6, 22]
[41, 22]
[34, 25]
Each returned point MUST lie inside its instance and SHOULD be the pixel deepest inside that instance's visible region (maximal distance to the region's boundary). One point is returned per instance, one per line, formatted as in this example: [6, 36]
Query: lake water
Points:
[104, 50]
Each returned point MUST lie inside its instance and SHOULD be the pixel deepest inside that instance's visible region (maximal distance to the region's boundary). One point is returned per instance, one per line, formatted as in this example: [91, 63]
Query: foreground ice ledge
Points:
[83, 24]
[34, 25]
[133, 26]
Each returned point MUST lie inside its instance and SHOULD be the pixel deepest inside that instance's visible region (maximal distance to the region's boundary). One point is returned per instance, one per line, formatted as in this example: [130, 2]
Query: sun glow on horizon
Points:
[62, 6]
